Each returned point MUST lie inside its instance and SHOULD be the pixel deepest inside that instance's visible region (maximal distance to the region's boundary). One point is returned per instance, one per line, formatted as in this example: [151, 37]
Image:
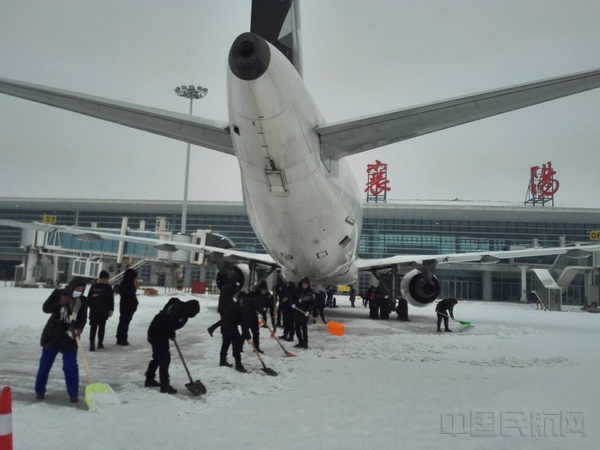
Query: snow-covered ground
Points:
[519, 378]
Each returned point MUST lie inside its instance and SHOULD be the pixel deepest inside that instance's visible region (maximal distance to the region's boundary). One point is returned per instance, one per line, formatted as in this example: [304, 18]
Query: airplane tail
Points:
[278, 21]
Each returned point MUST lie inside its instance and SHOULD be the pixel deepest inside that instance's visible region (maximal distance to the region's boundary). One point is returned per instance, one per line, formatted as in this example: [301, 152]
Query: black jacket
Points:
[56, 331]
[264, 307]
[286, 297]
[241, 313]
[226, 298]
[129, 301]
[101, 300]
[172, 317]
[446, 306]
[305, 300]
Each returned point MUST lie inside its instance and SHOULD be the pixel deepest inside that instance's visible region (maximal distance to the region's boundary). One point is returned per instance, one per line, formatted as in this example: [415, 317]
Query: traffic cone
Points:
[6, 440]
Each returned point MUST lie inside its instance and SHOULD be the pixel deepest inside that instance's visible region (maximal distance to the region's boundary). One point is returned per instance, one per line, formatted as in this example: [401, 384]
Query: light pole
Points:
[192, 93]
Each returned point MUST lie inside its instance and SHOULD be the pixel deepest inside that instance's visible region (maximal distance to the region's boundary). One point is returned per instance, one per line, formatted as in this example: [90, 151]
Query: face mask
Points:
[76, 294]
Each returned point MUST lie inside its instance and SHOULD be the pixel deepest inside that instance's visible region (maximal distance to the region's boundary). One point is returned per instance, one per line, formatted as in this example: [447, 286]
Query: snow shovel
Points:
[462, 322]
[279, 342]
[335, 328]
[195, 387]
[265, 369]
[97, 395]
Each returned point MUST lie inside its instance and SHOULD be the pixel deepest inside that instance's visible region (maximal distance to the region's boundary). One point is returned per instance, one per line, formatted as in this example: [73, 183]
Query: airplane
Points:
[300, 195]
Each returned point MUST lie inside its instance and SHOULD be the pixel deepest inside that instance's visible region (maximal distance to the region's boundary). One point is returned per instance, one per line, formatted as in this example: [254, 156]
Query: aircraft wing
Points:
[359, 135]
[415, 261]
[203, 132]
[91, 234]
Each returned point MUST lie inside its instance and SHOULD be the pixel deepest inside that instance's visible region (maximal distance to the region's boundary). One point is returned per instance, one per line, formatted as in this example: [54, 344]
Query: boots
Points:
[448, 330]
[151, 382]
[92, 346]
[151, 374]
[100, 345]
[224, 363]
[239, 367]
[168, 389]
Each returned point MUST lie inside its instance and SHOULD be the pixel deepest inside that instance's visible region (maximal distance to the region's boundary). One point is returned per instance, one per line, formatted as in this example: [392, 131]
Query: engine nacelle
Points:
[238, 273]
[418, 290]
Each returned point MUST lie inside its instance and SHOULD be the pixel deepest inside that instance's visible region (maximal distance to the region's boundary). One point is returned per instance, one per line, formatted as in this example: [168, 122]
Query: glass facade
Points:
[386, 231]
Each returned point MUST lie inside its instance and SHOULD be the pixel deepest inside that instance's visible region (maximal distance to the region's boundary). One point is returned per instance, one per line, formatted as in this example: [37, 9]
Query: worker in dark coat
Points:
[352, 296]
[385, 303]
[101, 302]
[225, 301]
[444, 309]
[280, 288]
[320, 302]
[128, 305]
[374, 302]
[68, 313]
[172, 317]
[263, 300]
[305, 302]
[287, 311]
[240, 314]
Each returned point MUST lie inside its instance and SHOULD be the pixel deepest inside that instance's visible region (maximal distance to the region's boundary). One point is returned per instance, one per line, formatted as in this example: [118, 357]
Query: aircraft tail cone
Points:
[249, 56]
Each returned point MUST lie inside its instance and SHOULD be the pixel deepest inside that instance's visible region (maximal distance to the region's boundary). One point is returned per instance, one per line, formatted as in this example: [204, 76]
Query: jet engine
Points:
[418, 289]
[234, 274]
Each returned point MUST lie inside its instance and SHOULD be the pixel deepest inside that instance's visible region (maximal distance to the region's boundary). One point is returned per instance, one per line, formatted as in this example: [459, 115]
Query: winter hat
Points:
[103, 275]
[191, 308]
[305, 280]
[74, 283]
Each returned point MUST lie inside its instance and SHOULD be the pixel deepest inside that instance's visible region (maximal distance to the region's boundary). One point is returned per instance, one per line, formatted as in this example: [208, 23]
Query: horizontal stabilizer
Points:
[203, 132]
[355, 136]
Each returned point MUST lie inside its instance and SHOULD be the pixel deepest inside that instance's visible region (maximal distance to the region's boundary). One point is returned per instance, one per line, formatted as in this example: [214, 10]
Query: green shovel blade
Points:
[99, 395]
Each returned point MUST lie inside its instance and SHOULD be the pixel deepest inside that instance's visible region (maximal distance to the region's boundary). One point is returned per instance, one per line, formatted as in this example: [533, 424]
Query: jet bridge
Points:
[549, 284]
[89, 254]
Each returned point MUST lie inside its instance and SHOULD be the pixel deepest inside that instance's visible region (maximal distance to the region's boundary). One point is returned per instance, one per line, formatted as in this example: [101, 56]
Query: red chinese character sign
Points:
[377, 182]
[542, 185]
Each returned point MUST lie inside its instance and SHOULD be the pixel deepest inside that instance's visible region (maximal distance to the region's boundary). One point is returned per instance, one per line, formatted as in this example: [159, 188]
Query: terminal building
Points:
[388, 229]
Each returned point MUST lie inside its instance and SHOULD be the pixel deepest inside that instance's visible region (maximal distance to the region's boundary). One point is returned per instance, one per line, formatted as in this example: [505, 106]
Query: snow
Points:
[384, 384]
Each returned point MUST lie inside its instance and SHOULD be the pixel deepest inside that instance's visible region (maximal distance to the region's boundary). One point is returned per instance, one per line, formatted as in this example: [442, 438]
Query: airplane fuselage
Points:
[305, 209]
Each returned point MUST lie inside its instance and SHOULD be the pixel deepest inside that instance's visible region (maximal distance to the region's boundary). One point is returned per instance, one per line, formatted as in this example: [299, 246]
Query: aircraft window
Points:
[236, 129]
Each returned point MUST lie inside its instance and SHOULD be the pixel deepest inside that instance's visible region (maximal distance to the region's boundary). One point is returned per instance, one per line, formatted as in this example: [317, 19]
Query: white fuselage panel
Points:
[305, 211]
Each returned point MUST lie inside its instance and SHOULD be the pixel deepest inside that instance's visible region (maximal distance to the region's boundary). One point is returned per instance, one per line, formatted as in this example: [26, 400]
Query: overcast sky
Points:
[360, 58]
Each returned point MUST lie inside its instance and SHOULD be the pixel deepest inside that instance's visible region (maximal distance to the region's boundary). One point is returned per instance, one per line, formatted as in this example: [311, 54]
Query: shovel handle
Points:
[279, 342]
[83, 360]
[183, 360]
[309, 315]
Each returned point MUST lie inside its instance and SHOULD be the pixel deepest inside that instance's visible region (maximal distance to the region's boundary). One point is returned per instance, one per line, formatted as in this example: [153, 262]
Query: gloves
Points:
[73, 332]
[307, 314]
